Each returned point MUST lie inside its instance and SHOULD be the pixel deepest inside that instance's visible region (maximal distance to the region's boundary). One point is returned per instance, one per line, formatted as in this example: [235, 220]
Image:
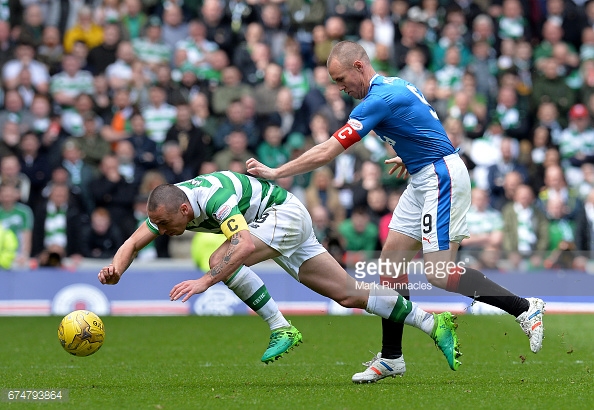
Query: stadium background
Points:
[102, 100]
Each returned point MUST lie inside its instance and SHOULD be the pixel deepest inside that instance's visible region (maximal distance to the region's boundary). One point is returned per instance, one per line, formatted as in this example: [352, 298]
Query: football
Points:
[81, 333]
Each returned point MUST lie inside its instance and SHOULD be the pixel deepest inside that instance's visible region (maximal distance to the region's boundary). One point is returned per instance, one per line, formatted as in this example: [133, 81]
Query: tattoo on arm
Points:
[233, 242]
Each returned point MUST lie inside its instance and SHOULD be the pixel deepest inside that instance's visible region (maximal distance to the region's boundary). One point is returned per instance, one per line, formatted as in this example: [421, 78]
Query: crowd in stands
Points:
[102, 100]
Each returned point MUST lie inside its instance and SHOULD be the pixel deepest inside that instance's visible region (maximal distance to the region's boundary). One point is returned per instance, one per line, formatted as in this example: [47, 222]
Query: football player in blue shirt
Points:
[431, 214]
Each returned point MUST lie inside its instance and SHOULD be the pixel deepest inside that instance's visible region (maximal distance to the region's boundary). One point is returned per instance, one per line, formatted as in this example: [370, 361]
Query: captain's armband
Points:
[234, 224]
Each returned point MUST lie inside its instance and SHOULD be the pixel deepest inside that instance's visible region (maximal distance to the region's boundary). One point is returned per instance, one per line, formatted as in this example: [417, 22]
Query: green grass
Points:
[213, 362]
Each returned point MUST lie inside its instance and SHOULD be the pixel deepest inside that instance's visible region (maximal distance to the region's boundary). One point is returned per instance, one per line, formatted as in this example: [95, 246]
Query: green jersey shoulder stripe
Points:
[220, 195]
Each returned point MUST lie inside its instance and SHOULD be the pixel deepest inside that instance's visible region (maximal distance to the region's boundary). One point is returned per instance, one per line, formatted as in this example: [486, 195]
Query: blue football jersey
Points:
[400, 115]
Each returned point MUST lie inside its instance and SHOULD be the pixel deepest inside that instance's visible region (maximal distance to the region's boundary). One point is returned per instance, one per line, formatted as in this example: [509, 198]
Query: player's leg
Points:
[444, 222]
[324, 275]
[399, 248]
[250, 288]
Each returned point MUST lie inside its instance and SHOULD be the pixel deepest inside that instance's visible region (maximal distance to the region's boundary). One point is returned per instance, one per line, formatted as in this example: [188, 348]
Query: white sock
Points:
[251, 289]
[387, 303]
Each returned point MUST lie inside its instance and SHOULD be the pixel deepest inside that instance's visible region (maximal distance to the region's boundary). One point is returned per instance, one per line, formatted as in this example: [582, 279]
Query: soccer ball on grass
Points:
[81, 333]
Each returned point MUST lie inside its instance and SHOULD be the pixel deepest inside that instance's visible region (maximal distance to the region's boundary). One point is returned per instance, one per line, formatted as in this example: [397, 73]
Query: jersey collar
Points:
[373, 78]
[194, 204]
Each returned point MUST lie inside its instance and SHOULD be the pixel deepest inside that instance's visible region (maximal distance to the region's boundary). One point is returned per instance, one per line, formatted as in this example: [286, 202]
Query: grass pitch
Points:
[214, 362]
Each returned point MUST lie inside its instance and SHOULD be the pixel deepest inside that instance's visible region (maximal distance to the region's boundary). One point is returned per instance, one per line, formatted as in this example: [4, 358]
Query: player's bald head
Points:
[347, 52]
[167, 195]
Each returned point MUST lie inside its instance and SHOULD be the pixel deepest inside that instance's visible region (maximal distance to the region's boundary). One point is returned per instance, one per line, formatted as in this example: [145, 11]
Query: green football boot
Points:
[445, 337]
[281, 341]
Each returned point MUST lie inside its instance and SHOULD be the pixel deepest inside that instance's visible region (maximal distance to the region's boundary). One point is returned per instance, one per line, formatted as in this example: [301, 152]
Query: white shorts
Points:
[288, 229]
[433, 207]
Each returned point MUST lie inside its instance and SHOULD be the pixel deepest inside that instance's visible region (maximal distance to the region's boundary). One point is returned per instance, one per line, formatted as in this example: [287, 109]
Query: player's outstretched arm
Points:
[239, 247]
[311, 159]
[110, 275]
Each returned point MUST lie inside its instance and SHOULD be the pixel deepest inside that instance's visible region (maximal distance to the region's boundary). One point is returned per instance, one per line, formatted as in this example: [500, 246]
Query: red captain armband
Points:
[347, 135]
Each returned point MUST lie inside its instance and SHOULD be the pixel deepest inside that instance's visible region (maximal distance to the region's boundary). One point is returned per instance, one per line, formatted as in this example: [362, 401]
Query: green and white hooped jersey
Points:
[219, 196]
[81, 82]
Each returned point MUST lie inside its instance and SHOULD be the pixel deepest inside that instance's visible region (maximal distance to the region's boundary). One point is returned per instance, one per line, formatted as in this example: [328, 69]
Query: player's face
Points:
[170, 224]
[349, 79]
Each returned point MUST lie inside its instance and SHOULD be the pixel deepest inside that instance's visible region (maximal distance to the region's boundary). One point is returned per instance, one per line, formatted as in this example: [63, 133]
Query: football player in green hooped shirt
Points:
[280, 228]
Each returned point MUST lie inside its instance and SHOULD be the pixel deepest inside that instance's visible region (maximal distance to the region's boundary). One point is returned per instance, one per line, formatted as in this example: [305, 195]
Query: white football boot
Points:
[531, 323]
[379, 368]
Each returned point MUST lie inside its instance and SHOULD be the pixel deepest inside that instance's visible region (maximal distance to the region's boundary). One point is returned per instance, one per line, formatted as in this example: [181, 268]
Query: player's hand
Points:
[399, 165]
[109, 276]
[257, 169]
[188, 288]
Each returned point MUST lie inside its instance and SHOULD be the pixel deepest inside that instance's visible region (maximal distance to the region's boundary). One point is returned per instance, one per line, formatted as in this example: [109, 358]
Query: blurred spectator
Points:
[84, 30]
[201, 117]
[296, 77]
[383, 225]
[511, 182]
[321, 192]
[472, 116]
[174, 168]
[71, 82]
[271, 152]
[571, 16]
[34, 164]
[245, 56]
[50, 51]
[9, 139]
[377, 205]
[266, 92]
[111, 191]
[158, 116]
[73, 117]
[415, 70]
[102, 237]
[56, 227]
[508, 163]
[80, 175]
[587, 184]
[561, 236]
[236, 120]
[107, 11]
[18, 218]
[576, 143]
[358, 233]
[550, 87]
[321, 225]
[556, 187]
[191, 140]
[150, 48]
[133, 19]
[174, 28]
[198, 50]
[303, 19]
[230, 90]
[449, 77]
[584, 227]
[485, 224]
[7, 46]
[512, 24]
[275, 32]
[369, 179]
[526, 228]
[24, 58]
[367, 37]
[130, 170]
[8, 248]
[92, 146]
[149, 252]
[451, 36]
[15, 111]
[218, 25]
[101, 56]
[510, 114]
[385, 30]
[10, 174]
[547, 115]
[237, 150]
